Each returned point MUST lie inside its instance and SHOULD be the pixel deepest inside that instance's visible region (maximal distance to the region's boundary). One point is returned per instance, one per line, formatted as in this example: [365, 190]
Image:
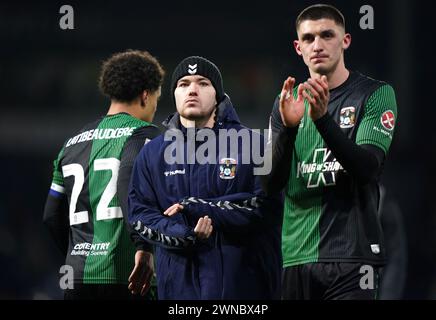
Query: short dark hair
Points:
[320, 11]
[125, 75]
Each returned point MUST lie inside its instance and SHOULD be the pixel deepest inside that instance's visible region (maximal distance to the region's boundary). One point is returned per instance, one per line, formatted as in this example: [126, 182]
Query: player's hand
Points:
[140, 278]
[173, 209]
[318, 95]
[291, 110]
[204, 228]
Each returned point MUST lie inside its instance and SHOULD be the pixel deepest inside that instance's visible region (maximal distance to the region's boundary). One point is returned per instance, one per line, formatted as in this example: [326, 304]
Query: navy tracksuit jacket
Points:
[242, 257]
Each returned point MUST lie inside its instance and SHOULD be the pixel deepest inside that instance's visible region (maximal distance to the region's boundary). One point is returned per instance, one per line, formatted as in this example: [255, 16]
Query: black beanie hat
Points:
[196, 65]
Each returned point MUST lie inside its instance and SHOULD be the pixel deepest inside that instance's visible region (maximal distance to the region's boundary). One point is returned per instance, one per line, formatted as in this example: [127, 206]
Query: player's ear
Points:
[297, 47]
[346, 42]
[143, 98]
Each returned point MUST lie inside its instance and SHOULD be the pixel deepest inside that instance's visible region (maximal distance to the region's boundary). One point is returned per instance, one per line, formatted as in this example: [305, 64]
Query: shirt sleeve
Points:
[56, 217]
[363, 162]
[379, 119]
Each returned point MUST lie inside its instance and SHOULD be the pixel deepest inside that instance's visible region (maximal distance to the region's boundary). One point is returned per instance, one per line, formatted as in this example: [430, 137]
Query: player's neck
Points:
[336, 77]
[119, 107]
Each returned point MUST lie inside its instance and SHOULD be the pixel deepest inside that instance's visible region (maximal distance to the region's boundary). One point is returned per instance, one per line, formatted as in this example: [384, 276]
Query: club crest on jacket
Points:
[227, 168]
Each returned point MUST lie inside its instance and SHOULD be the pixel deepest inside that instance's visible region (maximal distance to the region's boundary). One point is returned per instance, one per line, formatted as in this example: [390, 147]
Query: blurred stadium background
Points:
[48, 86]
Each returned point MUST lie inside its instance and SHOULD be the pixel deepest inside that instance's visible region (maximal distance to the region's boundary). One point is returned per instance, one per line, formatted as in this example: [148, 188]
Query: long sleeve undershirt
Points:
[362, 162]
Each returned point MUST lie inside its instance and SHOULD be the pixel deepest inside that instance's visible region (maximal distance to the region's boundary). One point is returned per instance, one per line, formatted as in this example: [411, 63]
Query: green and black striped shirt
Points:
[329, 215]
[100, 248]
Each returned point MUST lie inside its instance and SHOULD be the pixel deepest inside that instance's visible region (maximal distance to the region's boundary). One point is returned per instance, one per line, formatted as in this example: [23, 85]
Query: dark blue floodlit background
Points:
[48, 88]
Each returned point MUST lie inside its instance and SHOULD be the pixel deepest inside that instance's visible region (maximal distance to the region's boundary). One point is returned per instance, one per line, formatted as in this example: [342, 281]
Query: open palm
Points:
[291, 109]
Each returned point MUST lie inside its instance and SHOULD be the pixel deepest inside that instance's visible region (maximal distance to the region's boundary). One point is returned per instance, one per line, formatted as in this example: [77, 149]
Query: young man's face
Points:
[321, 43]
[195, 98]
[151, 105]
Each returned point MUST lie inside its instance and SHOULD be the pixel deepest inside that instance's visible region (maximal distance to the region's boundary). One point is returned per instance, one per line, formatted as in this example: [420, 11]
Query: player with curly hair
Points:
[87, 200]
